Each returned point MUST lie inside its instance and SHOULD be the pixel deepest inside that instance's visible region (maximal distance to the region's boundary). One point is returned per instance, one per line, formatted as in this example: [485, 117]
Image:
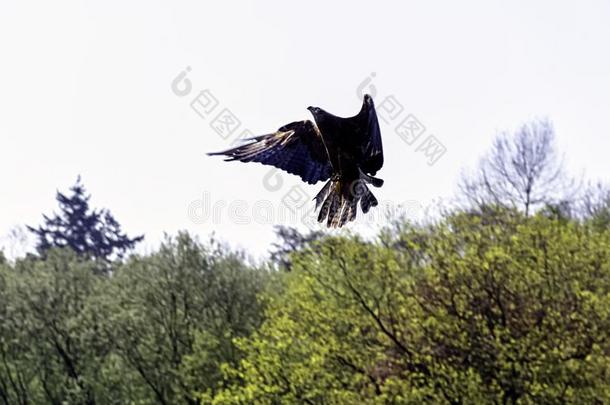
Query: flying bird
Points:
[345, 152]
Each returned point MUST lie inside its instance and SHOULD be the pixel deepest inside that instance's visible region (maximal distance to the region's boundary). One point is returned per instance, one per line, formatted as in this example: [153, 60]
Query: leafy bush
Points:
[477, 309]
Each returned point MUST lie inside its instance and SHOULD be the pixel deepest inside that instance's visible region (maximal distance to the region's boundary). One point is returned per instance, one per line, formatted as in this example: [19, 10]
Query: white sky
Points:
[85, 88]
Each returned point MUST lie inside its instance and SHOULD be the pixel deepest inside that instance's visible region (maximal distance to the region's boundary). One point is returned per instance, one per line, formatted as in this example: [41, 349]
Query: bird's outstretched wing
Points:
[296, 148]
[371, 141]
[362, 133]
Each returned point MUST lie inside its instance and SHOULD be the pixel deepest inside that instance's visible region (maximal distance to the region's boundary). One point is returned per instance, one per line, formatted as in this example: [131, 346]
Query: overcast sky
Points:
[94, 88]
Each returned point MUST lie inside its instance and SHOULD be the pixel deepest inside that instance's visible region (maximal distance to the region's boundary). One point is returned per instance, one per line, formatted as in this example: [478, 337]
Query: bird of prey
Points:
[346, 152]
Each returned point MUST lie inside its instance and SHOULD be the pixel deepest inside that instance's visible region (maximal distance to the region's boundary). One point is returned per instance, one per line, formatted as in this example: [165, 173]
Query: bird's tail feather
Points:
[338, 200]
[375, 181]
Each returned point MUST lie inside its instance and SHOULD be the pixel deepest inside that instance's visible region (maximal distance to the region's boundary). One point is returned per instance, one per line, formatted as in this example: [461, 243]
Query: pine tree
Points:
[89, 232]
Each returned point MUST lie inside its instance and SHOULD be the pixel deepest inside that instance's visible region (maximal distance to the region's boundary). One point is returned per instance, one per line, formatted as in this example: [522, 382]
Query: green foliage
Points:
[477, 309]
[486, 306]
[49, 347]
[157, 331]
[176, 313]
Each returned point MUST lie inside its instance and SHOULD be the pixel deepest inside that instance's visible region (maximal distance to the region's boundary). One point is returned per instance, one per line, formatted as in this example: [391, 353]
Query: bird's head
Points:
[318, 113]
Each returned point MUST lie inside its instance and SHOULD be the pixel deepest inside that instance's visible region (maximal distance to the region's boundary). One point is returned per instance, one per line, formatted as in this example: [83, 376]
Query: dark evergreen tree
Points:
[88, 232]
[291, 240]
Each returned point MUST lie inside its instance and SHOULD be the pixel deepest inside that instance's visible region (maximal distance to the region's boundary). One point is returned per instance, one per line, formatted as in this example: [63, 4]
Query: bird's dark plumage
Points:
[296, 148]
[345, 151]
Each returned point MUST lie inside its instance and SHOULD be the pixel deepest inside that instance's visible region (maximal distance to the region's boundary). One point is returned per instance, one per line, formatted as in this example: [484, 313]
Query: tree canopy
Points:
[513, 310]
[502, 301]
[477, 308]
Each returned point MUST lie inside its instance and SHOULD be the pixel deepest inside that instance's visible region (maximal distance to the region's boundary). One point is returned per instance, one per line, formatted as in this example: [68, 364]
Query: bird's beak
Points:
[310, 108]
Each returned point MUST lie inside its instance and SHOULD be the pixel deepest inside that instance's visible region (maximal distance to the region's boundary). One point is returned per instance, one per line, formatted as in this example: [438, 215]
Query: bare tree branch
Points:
[522, 171]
